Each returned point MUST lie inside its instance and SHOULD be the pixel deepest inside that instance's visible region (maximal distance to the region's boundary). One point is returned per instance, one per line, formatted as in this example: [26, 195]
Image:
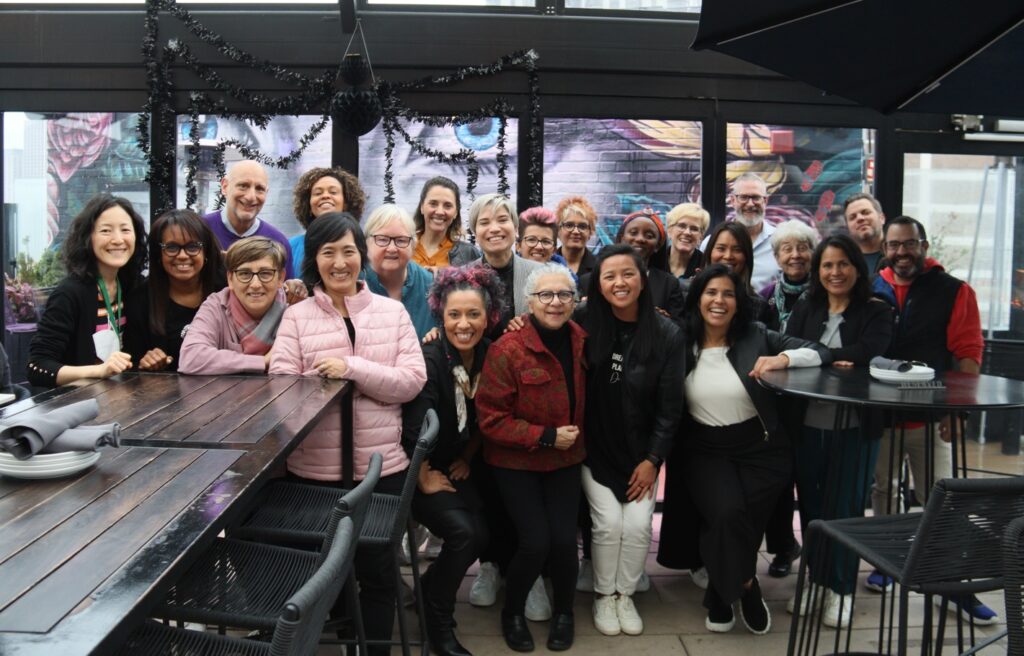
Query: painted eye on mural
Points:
[479, 135]
[207, 128]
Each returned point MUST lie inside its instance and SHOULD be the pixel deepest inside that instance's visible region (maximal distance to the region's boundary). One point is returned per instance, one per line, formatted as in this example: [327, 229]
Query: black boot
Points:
[562, 631]
[517, 633]
[444, 643]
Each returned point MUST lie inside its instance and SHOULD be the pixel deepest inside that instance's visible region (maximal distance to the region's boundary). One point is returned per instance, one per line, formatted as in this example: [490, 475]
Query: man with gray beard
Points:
[750, 200]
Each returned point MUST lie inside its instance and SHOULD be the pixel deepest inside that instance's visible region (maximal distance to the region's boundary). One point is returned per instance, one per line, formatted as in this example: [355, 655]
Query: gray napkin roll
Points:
[28, 433]
[85, 438]
[878, 362]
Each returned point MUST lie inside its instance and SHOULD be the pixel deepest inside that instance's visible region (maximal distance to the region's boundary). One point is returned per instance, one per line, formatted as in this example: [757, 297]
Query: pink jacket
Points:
[211, 347]
[386, 365]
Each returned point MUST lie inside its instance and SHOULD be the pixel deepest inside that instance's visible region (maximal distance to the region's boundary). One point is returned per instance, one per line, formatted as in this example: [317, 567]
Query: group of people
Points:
[563, 379]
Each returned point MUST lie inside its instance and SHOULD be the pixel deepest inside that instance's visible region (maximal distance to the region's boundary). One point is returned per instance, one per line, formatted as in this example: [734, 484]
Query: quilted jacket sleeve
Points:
[397, 383]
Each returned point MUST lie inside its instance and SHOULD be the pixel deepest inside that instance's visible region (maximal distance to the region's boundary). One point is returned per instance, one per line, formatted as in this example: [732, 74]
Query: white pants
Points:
[621, 537]
[913, 450]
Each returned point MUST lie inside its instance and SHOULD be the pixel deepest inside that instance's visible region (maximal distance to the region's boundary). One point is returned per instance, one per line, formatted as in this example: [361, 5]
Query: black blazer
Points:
[64, 334]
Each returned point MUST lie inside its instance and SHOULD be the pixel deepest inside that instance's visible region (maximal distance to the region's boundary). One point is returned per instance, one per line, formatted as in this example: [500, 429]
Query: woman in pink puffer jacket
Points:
[345, 331]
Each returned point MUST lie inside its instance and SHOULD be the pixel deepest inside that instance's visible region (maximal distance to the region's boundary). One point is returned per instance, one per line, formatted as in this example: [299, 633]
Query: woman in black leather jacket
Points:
[634, 404]
[732, 460]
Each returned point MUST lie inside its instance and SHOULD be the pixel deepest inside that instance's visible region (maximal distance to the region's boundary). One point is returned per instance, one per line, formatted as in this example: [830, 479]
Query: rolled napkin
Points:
[28, 433]
[85, 438]
[878, 362]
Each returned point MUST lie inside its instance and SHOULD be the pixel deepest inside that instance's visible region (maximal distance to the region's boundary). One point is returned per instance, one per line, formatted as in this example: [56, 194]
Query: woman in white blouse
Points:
[732, 458]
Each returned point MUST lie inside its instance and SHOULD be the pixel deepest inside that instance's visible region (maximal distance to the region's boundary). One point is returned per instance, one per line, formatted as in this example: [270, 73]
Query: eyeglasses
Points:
[750, 198]
[172, 248]
[571, 227]
[907, 244]
[545, 297]
[685, 227]
[533, 241]
[245, 276]
[383, 241]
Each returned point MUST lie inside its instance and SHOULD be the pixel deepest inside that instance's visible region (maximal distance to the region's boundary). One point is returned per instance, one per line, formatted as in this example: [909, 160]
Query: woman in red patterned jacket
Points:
[530, 411]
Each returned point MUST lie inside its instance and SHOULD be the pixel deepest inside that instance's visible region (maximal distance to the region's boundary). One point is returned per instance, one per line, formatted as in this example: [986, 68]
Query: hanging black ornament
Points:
[357, 111]
[354, 70]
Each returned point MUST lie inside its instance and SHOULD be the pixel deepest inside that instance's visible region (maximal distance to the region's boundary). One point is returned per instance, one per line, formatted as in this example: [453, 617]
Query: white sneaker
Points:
[585, 578]
[805, 604]
[606, 617]
[484, 591]
[538, 607]
[419, 535]
[629, 619]
[643, 584]
[831, 616]
[700, 577]
[431, 548]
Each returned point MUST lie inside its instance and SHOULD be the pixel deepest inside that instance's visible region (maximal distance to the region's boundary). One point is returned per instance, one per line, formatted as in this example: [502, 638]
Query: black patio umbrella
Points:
[942, 56]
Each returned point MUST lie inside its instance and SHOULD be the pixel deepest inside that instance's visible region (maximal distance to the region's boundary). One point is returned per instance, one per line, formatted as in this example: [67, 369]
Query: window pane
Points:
[621, 166]
[411, 170]
[280, 138]
[687, 6]
[53, 164]
[456, 3]
[809, 170]
[966, 204]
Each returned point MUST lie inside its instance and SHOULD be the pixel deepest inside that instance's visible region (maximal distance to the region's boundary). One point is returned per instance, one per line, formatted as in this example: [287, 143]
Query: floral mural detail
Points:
[87, 155]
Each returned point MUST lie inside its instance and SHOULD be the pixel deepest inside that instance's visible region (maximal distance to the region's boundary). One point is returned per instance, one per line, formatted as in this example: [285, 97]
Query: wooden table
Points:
[82, 558]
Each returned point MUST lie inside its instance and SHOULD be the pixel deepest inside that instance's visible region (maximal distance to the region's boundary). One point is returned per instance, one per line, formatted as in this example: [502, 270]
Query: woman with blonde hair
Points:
[686, 224]
[577, 222]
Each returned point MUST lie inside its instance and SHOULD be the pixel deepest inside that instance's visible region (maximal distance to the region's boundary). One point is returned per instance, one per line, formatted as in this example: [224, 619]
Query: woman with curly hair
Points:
[319, 191]
[465, 302]
[81, 332]
[577, 221]
[439, 227]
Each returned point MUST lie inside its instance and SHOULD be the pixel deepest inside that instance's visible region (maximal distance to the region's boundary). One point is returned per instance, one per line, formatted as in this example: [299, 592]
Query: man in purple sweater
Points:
[245, 190]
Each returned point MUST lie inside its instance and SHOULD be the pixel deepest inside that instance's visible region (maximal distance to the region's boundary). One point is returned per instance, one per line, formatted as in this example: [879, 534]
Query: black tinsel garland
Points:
[317, 96]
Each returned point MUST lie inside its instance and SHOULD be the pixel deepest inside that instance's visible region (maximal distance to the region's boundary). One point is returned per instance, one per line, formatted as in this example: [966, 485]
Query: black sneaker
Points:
[720, 617]
[754, 611]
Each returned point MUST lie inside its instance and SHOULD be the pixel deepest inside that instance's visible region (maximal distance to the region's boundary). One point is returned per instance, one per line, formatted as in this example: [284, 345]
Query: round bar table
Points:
[855, 393]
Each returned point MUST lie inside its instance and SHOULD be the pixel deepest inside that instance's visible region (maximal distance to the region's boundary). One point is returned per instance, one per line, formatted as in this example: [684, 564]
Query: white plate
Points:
[56, 471]
[917, 374]
[67, 457]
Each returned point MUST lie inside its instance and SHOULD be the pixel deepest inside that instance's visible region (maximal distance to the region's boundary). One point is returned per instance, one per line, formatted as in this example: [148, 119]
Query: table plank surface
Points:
[83, 558]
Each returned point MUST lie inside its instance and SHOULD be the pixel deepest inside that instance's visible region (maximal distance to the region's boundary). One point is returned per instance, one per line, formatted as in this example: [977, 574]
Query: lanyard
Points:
[113, 320]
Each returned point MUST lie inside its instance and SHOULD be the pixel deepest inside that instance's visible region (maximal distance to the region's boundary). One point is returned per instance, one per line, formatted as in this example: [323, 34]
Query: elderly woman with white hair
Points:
[686, 224]
[530, 407]
[792, 242]
[495, 223]
[390, 242]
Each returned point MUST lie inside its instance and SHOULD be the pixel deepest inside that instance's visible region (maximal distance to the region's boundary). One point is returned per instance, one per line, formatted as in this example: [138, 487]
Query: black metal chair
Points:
[953, 548]
[1013, 586]
[293, 513]
[238, 583]
[296, 630]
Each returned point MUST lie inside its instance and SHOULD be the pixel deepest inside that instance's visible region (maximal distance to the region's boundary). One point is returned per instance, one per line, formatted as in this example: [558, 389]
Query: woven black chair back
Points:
[1013, 584]
[356, 502]
[960, 537]
[424, 445]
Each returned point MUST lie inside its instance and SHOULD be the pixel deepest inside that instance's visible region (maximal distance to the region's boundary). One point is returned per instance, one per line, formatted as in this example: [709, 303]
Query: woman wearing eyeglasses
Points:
[577, 221]
[686, 224]
[235, 328]
[190, 268]
[391, 239]
[530, 411]
[538, 235]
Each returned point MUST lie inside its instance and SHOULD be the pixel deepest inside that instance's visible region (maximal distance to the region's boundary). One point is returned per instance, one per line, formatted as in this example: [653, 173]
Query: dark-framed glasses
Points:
[172, 248]
[545, 297]
[907, 244]
[750, 198]
[245, 276]
[543, 241]
[383, 241]
[569, 226]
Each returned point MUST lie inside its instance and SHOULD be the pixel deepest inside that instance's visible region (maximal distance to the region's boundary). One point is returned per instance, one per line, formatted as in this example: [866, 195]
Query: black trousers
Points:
[734, 477]
[456, 518]
[374, 571]
[543, 507]
[501, 542]
[778, 534]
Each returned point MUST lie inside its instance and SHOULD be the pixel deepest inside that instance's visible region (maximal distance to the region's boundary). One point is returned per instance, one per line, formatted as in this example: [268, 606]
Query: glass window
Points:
[455, 3]
[809, 170]
[279, 139]
[685, 6]
[621, 166]
[966, 204]
[411, 169]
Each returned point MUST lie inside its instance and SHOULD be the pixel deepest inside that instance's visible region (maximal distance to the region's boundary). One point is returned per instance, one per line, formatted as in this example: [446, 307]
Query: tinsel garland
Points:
[315, 98]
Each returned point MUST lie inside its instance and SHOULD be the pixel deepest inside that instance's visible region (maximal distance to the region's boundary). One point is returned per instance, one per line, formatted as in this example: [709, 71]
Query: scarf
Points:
[784, 289]
[463, 390]
[255, 337]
